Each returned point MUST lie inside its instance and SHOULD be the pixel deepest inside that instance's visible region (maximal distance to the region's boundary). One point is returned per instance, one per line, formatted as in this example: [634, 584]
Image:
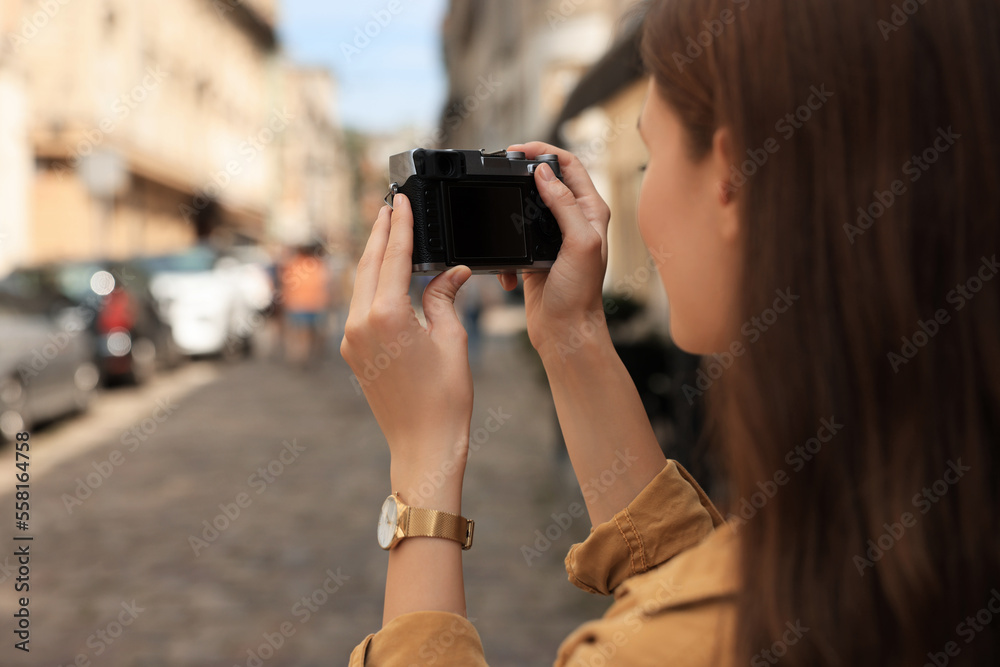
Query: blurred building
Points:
[512, 63]
[145, 126]
[150, 122]
[514, 70]
[315, 199]
[16, 164]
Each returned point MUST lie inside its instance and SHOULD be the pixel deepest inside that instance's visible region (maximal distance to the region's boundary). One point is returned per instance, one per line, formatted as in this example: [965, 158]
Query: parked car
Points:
[132, 340]
[209, 298]
[255, 272]
[47, 367]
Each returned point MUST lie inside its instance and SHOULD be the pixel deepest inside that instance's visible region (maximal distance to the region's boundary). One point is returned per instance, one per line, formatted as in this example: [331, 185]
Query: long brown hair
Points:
[867, 170]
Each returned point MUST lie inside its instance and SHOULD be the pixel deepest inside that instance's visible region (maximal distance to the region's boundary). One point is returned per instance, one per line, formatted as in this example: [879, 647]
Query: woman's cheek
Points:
[646, 212]
[653, 222]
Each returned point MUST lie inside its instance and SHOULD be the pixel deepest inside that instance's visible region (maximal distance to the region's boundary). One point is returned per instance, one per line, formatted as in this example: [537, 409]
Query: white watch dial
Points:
[387, 522]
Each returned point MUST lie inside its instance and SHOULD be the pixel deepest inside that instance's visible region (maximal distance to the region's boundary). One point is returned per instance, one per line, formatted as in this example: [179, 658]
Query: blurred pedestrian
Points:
[305, 297]
[276, 310]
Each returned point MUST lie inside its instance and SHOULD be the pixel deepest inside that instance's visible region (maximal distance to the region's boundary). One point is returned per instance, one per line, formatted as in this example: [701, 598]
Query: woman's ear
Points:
[721, 164]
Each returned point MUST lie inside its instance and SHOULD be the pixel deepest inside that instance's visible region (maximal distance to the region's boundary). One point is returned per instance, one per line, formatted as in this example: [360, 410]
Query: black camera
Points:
[476, 208]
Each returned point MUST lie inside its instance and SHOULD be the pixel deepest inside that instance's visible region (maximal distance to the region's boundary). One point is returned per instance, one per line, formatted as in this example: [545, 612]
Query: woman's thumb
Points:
[439, 297]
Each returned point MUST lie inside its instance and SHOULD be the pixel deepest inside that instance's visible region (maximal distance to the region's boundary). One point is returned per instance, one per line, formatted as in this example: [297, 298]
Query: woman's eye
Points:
[642, 168]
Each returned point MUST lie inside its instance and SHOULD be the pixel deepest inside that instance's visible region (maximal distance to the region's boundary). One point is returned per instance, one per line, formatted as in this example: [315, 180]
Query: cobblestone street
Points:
[127, 567]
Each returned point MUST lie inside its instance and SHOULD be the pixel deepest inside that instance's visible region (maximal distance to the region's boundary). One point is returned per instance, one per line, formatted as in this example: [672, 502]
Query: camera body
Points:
[476, 208]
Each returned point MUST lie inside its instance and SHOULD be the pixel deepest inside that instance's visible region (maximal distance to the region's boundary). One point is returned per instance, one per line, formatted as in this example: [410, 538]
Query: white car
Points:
[210, 300]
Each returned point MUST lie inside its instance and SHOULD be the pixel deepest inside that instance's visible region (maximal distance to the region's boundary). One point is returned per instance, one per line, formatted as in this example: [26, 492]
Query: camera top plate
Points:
[456, 163]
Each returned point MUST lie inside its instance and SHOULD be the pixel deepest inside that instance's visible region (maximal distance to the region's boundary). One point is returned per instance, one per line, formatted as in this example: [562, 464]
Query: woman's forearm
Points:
[611, 444]
[425, 573]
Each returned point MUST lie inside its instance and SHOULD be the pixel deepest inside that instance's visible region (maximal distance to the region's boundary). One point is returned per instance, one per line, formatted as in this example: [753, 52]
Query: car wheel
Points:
[13, 416]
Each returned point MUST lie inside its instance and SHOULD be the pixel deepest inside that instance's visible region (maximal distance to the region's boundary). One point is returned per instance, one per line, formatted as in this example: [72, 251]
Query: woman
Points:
[830, 169]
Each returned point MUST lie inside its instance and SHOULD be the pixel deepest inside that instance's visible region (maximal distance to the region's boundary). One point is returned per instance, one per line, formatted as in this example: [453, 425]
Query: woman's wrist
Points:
[588, 338]
[436, 486]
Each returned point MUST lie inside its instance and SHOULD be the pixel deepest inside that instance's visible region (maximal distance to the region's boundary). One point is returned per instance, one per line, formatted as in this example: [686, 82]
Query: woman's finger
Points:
[366, 279]
[574, 174]
[397, 262]
[562, 202]
[508, 281]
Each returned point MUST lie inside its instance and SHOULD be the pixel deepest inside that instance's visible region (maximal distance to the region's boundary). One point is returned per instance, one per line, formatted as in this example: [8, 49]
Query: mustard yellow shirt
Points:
[668, 558]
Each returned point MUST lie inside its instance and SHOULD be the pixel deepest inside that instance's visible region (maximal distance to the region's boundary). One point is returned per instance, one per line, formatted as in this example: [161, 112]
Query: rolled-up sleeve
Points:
[670, 515]
[420, 638]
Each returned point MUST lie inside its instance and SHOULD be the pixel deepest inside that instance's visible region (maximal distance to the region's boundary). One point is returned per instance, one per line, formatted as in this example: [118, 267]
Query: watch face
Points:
[387, 522]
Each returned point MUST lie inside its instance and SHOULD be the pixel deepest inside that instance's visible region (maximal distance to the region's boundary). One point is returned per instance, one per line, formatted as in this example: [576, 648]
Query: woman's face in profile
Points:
[685, 221]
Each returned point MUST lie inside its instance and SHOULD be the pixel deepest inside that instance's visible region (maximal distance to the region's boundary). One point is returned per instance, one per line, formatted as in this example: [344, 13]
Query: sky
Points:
[388, 64]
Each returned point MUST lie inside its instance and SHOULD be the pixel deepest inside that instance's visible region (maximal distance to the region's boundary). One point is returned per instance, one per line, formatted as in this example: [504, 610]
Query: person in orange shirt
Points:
[305, 292]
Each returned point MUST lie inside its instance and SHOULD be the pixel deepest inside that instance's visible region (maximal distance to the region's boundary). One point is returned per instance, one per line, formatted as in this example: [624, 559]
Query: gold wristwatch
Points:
[399, 521]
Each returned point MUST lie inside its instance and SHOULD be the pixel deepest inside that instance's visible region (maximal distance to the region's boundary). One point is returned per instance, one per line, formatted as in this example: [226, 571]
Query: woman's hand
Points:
[417, 380]
[596, 401]
[565, 302]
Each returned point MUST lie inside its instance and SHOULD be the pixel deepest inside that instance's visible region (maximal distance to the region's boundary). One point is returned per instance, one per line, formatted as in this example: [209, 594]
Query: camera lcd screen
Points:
[486, 222]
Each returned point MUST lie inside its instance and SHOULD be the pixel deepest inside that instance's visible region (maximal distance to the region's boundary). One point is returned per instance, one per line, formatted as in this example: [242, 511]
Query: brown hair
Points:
[866, 171]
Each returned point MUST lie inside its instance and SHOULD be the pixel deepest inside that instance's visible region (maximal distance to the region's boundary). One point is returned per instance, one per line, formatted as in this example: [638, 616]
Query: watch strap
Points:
[422, 522]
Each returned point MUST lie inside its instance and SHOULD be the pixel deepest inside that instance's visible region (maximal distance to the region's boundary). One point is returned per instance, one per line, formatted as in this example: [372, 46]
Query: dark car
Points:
[46, 362]
[132, 339]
